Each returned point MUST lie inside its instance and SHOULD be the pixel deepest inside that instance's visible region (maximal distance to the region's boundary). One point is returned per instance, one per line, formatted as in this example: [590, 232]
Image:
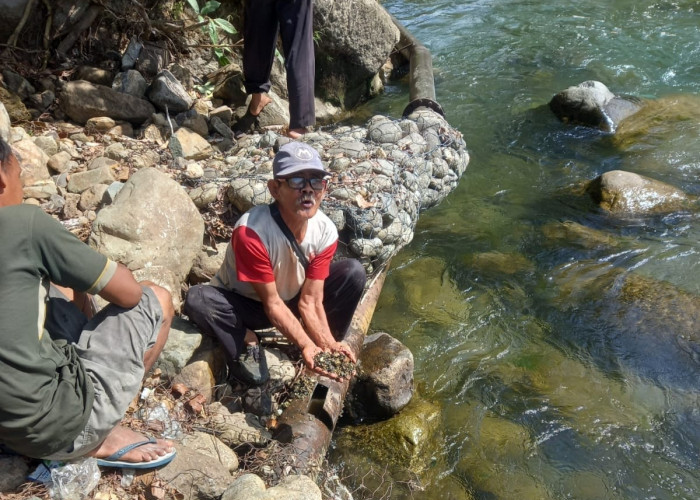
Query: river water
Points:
[542, 375]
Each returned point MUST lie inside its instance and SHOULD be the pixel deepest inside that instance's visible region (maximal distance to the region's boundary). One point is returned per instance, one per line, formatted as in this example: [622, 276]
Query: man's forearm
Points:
[316, 324]
[288, 325]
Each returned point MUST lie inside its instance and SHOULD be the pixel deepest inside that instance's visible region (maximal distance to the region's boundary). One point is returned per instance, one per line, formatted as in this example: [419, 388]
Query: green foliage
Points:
[178, 8]
[212, 26]
[205, 89]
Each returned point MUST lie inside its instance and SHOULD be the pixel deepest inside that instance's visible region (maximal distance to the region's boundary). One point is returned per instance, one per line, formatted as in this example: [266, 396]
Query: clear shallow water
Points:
[552, 379]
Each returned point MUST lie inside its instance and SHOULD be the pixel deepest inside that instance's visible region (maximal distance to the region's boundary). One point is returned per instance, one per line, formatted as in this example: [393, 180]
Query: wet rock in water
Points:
[335, 362]
[499, 263]
[384, 382]
[592, 104]
[636, 323]
[621, 192]
[658, 121]
[573, 233]
[500, 441]
[407, 441]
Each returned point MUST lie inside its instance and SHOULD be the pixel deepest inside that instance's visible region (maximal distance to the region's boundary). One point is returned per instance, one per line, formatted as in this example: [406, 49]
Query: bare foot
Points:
[296, 133]
[257, 103]
[121, 437]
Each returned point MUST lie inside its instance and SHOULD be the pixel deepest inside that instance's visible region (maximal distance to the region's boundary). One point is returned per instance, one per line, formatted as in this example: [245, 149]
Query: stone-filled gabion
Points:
[383, 175]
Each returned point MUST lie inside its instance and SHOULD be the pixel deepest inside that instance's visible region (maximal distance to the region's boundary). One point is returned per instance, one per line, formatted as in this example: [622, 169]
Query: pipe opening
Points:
[317, 404]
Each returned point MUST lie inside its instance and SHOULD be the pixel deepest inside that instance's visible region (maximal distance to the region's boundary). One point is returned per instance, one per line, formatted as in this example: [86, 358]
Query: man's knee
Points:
[164, 298]
[195, 300]
[357, 276]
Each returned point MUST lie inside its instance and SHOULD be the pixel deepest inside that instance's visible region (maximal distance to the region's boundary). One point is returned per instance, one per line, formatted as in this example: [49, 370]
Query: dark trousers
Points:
[294, 21]
[225, 315]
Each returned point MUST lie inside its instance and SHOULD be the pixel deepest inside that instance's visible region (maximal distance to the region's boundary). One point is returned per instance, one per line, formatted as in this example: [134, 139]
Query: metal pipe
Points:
[308, 424]
[421, 81]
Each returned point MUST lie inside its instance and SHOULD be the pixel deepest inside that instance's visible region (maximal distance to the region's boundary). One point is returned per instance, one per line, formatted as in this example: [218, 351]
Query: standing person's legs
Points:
[297, 29]
[260, 38]
[342, 291]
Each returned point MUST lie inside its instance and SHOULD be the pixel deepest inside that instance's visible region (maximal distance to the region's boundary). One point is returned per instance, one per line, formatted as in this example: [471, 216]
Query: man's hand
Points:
[343, 348]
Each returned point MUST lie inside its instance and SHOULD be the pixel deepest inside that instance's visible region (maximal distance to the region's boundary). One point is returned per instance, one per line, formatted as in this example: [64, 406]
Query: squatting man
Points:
[279, 272]
[67, 376]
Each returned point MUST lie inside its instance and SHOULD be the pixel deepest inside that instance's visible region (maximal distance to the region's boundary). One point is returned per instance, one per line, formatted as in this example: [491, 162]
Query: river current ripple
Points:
[563, 364]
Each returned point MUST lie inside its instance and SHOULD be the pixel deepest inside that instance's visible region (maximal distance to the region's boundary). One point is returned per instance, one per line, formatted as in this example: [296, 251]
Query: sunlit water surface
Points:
[548, 383]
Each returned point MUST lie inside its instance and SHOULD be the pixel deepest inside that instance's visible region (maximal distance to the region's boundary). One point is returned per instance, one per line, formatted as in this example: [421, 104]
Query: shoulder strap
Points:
[277, 216]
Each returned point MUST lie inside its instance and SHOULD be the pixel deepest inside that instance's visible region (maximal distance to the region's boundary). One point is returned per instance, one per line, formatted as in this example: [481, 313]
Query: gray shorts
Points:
[111, 347]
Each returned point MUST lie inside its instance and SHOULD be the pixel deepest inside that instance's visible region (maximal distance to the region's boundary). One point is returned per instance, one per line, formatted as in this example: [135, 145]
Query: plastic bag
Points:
[75, 480]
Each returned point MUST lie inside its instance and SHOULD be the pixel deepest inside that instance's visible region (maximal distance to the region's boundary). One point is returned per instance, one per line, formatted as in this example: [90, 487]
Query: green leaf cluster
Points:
[212, 26]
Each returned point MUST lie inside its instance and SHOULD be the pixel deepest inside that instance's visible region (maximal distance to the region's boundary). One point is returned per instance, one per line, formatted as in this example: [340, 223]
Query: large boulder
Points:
[33, 160]
[623, 192]
[591, 103]
[384, 381]
[356, 40]
[152, 222]
[82, 100]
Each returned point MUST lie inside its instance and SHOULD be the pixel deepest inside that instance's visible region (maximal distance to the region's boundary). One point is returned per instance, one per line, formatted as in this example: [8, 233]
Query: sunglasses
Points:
[316, 183]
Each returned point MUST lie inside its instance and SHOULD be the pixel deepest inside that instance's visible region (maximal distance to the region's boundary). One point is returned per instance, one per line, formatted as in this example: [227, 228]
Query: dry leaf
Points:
[362, 203]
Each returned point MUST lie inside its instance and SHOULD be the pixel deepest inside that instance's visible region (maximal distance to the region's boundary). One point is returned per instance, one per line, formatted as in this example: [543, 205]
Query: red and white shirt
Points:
[259, 252]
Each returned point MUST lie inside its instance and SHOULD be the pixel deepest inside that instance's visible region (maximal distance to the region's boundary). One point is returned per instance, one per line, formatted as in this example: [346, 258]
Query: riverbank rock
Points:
[592, 104]
[152, 222]
[383, 385]
[621, 192]
[251, 487]
[82, 100]
[196, 475]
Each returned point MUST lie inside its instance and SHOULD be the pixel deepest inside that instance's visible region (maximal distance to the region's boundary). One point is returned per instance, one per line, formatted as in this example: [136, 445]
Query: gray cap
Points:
[296, 157]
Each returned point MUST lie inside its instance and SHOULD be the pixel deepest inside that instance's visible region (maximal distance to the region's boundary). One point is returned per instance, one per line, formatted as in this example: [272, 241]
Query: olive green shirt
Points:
[45, 394]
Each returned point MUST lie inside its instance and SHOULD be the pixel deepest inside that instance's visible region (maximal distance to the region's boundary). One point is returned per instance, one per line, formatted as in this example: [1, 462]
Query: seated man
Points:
[264, 280]
[66, 381]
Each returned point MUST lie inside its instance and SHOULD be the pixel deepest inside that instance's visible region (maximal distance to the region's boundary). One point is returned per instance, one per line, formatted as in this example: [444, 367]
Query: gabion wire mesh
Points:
[384, 174]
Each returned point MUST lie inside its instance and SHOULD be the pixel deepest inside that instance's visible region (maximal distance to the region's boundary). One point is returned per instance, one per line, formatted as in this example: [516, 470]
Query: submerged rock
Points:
[634, 322]
[407, 440]
[623, 192]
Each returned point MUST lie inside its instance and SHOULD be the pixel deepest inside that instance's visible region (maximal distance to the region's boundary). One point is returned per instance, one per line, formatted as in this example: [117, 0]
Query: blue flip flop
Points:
[113, 459]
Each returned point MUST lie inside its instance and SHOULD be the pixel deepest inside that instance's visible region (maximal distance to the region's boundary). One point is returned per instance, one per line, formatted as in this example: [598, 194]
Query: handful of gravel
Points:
[335, 363]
